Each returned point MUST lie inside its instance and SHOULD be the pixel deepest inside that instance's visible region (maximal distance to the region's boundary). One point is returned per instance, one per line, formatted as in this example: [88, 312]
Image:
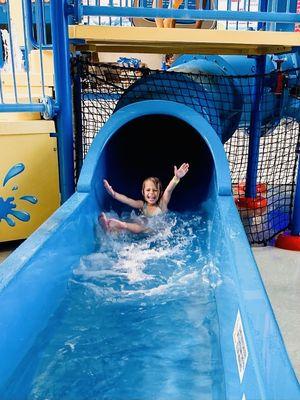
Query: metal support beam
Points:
[295, 228]
[255, 129]
[63, 94]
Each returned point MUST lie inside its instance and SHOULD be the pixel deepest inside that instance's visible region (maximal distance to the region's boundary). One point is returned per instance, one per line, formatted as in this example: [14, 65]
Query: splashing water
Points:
[138, 322]
[211, 275]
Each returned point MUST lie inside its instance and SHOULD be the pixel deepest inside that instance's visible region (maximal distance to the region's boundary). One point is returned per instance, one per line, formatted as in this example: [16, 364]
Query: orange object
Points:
[288, 242]
[252, 203]
[240, 188]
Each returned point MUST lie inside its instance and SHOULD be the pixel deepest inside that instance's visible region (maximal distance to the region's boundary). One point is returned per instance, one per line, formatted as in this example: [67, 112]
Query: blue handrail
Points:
[20, 107]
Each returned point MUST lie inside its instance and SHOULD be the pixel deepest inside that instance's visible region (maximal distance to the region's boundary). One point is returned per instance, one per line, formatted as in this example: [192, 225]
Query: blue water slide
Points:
[139, 139]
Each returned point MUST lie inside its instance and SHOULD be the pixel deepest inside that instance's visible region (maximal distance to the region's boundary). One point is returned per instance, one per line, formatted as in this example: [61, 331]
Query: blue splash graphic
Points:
[8, 209]
[30, 199]
[15, 170]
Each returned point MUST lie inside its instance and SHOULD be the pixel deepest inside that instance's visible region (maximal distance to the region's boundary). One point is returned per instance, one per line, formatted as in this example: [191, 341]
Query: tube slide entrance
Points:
[150, 146]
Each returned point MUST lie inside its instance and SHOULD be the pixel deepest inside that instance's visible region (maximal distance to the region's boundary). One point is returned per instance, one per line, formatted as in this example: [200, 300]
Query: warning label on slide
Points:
[240, 346]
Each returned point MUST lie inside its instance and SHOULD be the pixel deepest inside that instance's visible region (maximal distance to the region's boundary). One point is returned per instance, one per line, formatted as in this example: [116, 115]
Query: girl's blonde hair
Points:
[157, 184]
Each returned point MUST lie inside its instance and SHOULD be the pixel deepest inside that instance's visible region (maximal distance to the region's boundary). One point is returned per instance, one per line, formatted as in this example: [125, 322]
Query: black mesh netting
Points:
[227, 104]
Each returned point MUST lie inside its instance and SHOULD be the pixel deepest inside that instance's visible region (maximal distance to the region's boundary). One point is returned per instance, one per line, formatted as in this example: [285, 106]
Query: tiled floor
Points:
[280, 272]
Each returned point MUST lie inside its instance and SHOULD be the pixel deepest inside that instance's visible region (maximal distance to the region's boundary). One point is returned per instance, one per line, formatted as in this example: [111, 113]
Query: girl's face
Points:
[150, 192]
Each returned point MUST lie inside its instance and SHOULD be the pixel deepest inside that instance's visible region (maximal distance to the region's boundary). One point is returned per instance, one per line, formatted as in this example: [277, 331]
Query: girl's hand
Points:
[179, 173]
[109, 189]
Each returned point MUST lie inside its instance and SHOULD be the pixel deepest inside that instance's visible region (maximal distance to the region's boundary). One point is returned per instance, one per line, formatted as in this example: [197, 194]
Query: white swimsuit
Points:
[145, 212]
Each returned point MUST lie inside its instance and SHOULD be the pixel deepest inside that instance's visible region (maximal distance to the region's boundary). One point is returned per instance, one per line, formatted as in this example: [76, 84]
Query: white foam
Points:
[211, 275]
[165, 261]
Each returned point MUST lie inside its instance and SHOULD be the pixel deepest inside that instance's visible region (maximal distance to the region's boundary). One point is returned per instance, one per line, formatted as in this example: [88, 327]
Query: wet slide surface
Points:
[139, 321]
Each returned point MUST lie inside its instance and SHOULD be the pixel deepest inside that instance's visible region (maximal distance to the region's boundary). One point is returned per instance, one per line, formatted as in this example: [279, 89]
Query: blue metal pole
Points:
[26, 51]
[63, 94]
[295, 226]
[29, 22]
[255, 120]
[263, 8]
[27, 9]
[77, 90]
[255, 129]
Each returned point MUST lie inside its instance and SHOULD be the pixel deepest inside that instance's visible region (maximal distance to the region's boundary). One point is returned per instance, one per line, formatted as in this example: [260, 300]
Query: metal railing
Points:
[31, 67]
[26, 86]
[26, 72]
[229, 14]
[108, 20]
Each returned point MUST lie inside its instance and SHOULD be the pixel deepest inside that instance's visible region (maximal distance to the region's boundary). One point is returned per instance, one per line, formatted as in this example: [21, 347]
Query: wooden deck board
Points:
[159, 40]
[24, 127]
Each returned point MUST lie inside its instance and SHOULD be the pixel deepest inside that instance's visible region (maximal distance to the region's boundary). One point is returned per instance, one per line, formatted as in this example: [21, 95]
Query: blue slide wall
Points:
[33, 280]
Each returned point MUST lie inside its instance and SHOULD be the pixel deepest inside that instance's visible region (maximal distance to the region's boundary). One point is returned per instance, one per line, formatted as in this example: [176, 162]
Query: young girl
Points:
[155, 201]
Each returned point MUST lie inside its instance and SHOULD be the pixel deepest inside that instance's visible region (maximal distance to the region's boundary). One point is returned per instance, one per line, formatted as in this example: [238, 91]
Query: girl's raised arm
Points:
[121, 197]
[178, 174]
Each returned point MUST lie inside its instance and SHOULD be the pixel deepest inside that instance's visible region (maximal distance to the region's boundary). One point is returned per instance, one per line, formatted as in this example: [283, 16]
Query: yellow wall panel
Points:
[29, 188]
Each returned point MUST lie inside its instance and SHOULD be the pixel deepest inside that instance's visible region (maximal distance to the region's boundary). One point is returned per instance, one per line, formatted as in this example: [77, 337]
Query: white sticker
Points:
[240, 346]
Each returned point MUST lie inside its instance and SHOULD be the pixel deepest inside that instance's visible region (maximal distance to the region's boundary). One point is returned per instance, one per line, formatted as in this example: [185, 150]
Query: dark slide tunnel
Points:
[150, 146]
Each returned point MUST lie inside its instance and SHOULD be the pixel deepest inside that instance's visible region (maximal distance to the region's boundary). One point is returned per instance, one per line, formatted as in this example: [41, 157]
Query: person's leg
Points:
[171, 22]
[159, 21]
[135, 228]
[199, 23]
[113, 225]
[103, 221]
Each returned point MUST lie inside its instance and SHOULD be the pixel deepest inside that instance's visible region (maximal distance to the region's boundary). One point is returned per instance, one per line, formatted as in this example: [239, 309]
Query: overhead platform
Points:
[177, 41]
